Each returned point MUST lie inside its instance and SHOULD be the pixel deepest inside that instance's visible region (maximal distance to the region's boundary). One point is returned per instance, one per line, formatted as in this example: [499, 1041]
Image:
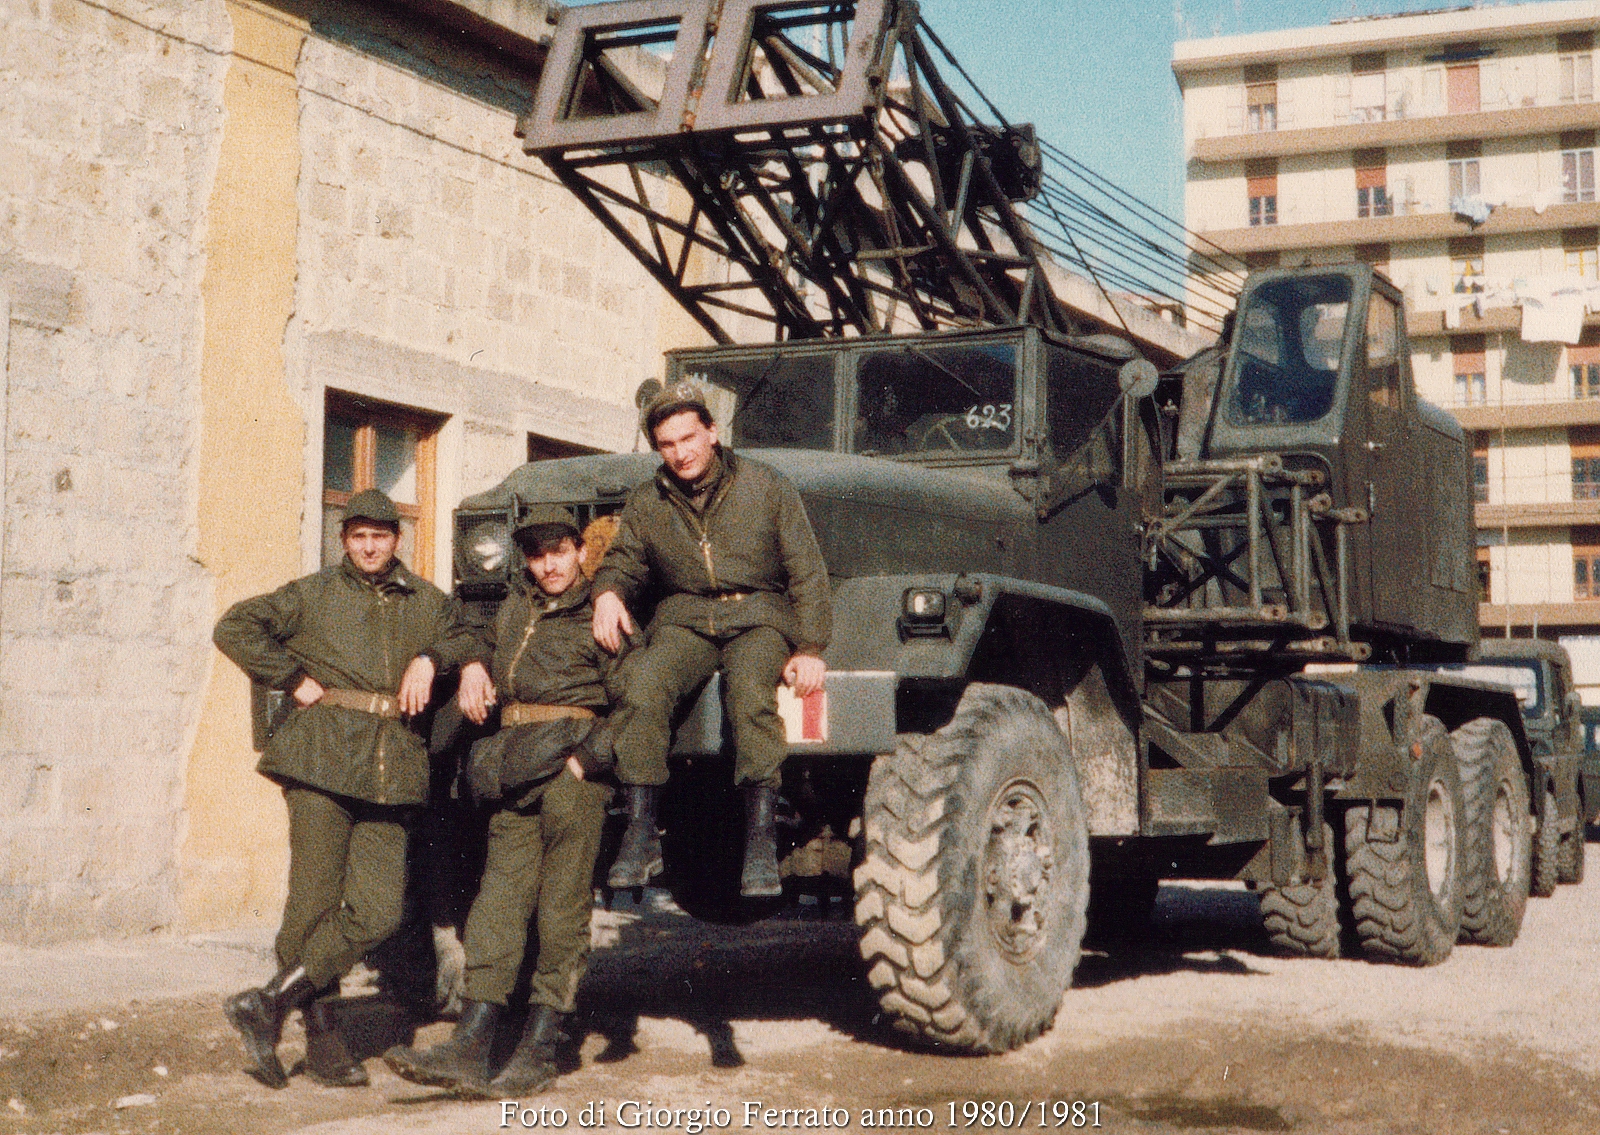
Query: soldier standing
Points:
[728, 542]
[544, 838]
[357, 646]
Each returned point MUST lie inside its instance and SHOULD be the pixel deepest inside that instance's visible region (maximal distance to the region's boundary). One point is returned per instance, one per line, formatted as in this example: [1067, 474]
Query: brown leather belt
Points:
[526, 713]
[383, 705]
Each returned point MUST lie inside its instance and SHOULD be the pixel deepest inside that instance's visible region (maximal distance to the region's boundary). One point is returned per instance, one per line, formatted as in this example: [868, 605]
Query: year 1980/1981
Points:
[1041, 1113]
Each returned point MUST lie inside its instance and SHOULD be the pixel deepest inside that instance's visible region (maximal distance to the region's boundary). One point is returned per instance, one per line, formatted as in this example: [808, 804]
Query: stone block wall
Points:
[108, 139]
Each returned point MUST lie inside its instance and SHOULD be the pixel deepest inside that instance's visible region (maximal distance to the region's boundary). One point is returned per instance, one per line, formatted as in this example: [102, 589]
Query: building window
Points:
[1469, 361]
[1480, 474]
[1368, 91]
[374, 445]
[1586, 479]
[1577, 166]
[1466, 263]
[1583, 364]
[1462, 89]
[1464, 179]
[1261, 107]
[1575, 64]
[1372, 184]
[1484, 574]
[1586, 572]
[1261, 185]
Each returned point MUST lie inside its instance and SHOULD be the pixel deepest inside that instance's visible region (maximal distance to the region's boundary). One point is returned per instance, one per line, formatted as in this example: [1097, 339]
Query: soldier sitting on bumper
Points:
[745, 588]
[553, 679]
[352, 773]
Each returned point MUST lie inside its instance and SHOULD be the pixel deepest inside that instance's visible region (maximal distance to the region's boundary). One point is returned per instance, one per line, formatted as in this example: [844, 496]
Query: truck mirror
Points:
[1138, 378]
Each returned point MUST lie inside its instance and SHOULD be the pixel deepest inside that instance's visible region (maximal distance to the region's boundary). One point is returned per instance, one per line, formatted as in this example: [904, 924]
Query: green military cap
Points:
[543, 523]
[679, 396]
[370, 504]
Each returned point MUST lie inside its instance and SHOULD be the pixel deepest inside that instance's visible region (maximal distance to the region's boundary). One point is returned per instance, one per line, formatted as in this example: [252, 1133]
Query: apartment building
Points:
[1453, 149]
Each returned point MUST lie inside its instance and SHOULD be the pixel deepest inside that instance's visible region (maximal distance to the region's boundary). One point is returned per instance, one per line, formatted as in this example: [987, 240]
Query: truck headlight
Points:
[923, 605]
[489, 547]
[924, 612]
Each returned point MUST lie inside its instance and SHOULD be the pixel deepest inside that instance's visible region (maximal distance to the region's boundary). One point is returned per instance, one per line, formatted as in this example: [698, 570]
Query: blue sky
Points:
[1096, 77]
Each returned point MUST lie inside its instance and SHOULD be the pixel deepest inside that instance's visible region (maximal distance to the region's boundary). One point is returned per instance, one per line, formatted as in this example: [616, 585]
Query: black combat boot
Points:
[328, 1059]
[259, 1014]
[639, 859]
[760, 876]
[532, 1067]
[464, 1058]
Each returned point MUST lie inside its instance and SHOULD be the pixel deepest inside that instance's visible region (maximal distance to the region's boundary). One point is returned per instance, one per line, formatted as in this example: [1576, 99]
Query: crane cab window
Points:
[1383, 354]
[1289, 344]
[938, 401]
[780, 401]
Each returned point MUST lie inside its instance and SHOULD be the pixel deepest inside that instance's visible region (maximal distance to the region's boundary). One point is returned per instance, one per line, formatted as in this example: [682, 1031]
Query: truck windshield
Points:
[1522, 677]
[937, 400]
[1288, 345]
[780, 401]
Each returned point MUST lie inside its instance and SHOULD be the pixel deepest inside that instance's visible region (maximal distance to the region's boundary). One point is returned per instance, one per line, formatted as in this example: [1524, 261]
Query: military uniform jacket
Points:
[749, 559]
[347, 632]
[542, 651]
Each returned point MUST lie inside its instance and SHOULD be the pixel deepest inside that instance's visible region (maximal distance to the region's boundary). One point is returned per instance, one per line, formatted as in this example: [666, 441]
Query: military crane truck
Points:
[1096, 625]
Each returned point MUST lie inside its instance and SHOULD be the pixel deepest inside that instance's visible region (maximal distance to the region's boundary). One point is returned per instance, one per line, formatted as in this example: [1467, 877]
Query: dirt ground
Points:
[1199, 1029]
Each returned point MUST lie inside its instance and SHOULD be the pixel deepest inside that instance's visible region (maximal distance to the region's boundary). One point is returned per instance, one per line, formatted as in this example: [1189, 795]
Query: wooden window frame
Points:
[1575, 76]
[1261, 107]
[366, 414]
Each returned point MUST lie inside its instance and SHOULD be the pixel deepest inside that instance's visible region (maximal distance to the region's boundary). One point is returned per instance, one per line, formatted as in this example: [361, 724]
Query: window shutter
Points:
[1236, 111]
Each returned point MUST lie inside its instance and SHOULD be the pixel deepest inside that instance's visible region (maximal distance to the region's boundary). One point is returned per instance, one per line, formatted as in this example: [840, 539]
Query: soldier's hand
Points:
[416, 686]
[308, 692]
[477, 692]
[804, 673]
[611, 621]
[574, 767]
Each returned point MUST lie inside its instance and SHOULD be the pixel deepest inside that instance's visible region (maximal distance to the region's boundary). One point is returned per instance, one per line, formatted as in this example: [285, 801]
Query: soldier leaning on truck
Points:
[357, 645]
[540, 767]
[727, 541]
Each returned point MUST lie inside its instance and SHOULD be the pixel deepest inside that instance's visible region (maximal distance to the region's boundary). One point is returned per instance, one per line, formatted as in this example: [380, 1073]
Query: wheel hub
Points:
[1439, 838]
[1018, 868]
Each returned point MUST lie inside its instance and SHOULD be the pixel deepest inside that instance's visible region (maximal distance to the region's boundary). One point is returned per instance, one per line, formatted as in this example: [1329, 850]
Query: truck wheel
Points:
[1496, 833]
[1574, 846]
[1405, 862]
[971, 891]
[1303, 918]
[1546, 850]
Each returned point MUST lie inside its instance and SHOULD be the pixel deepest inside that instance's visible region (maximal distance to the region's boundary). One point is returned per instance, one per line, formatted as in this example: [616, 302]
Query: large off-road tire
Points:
[1302, 918]
[971, 890]
[1496, 833]
[1574, 848]
[1546, 849]
[1405, 862]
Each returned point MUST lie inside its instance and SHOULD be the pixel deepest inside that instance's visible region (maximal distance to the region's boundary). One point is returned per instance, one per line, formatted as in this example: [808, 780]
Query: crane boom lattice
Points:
[813, 147]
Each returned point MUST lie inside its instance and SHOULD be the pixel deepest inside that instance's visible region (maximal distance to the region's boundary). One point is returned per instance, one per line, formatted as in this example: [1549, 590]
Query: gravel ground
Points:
[1200, 1028]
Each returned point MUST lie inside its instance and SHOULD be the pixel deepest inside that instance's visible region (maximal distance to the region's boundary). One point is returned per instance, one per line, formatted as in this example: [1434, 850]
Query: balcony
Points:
[1555, 514]
[1533, 415]
[1392, 230]
[1581, 613]
[1513, 122]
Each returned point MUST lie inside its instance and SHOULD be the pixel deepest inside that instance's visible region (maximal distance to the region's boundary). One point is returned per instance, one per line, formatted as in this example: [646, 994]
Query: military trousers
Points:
[676, 664]
[347, 881]
[540, 862]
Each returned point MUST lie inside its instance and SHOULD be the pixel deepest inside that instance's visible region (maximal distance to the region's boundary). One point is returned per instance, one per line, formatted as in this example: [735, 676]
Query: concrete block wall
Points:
[108, 141]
